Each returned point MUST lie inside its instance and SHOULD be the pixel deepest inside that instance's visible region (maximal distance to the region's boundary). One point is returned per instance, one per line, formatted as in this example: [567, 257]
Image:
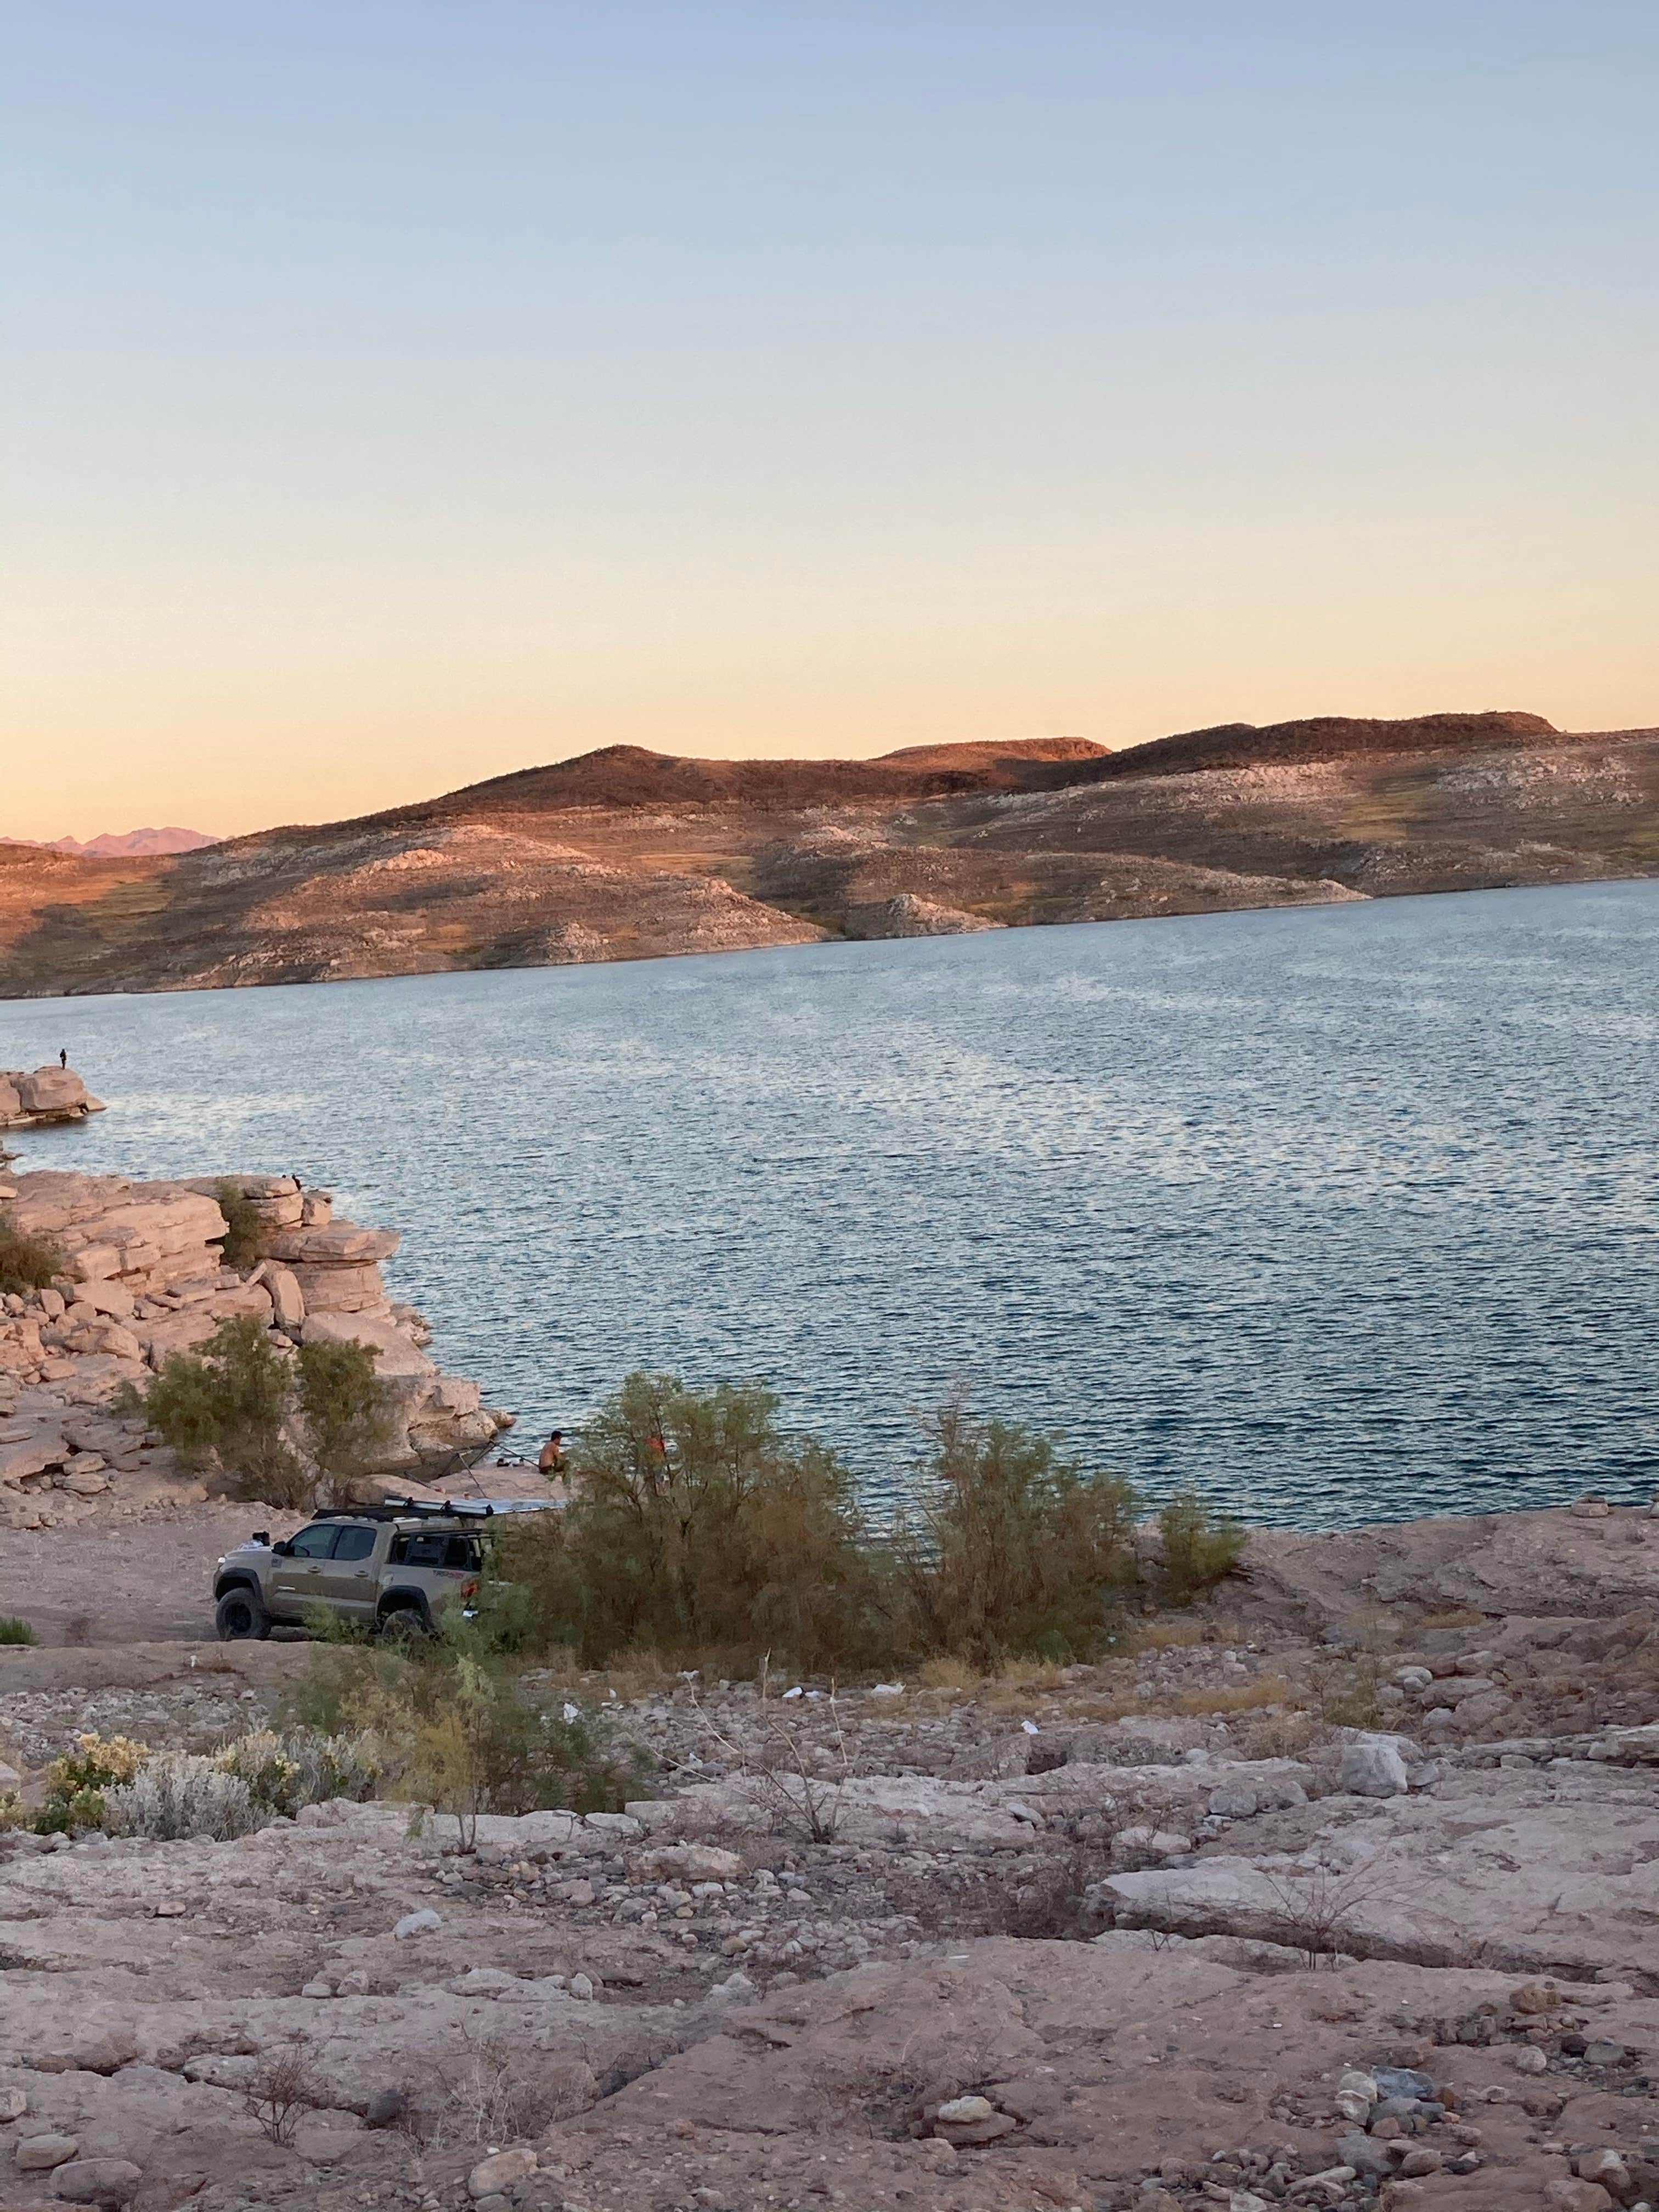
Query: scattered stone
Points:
[40, 2153]
[496, 2174]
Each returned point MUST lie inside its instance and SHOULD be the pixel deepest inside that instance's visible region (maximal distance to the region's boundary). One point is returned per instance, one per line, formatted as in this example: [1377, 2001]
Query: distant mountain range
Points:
[623, 853]
[112, 846]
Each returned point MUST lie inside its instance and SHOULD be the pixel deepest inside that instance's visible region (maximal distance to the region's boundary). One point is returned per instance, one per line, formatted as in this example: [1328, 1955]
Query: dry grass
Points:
[1457, 1616]
[1278, 1735]
[955, 1675]
[1167, 1636]
[1234, 1698]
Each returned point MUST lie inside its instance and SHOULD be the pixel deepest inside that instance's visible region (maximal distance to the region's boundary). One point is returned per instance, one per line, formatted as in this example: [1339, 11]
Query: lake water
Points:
[1339, 1214]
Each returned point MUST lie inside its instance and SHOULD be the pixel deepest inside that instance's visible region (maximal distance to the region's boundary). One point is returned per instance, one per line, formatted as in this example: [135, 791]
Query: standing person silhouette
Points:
[63, 1055]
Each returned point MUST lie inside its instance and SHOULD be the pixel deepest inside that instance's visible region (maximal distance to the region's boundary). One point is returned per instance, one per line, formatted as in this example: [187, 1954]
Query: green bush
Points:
[1199, 1551]
[459, 1726]
[13, 1631]
[27, 1263]
[282, 1430]
[695, 1523]
[244, 1244]
[1009, 1551]
[346, 1411]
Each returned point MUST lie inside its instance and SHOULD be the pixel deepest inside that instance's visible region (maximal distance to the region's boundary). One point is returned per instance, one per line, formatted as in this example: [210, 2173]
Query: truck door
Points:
[350, 1577]
[297, 1577]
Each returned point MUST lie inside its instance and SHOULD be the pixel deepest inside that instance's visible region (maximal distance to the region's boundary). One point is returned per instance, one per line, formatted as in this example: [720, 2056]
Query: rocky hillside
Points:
[625, 853]
[144, 1275]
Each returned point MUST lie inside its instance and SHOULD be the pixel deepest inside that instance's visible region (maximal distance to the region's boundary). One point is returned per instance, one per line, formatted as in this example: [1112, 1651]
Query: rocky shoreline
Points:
[144, 1275]
[48, 1095]
[1342, 1890]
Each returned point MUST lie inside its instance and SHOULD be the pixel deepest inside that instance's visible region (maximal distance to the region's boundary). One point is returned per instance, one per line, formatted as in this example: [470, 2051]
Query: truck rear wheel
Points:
[241, 1617]
[404, 1624]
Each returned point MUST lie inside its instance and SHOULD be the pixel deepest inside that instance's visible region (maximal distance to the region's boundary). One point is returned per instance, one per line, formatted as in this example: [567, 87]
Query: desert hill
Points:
[625, 852]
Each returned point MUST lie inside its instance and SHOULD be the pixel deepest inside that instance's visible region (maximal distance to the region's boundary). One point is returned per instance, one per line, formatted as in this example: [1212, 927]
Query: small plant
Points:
[491, 2091]
[1317, 1909]
[244, 1243]
[77, 1782]
[282, 2088]
[1199, 1551]
[1347, 1694]
[14, 1631]
[27, 1263]
[786, 1778]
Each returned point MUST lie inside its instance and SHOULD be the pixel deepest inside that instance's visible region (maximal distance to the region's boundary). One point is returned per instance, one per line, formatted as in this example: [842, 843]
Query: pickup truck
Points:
[390, 1567]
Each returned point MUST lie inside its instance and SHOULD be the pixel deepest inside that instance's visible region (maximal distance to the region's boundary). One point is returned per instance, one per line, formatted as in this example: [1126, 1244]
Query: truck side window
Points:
[461, 1551]
[354, 1543]
[316, 1542]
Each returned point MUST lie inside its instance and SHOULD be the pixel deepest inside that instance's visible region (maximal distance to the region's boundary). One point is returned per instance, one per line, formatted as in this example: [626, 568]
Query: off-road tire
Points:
[404, 1624]
[241, 1617]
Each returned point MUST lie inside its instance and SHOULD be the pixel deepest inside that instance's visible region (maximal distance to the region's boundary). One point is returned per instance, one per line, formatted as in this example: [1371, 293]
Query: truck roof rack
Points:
[411, 1509]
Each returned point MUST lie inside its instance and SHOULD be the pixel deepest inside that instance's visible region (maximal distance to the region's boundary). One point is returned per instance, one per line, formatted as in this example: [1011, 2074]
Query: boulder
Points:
[496, 2175]
[110, 2181]
[689, 1863]
[1372, 1767]
[336, 1245]
[341, 1290]
[40, 2153]
[288, 1305]
[51, 1091]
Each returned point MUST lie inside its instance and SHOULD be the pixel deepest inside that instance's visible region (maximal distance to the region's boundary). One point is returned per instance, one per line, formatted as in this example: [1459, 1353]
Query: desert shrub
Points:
[1198, 1550]
[458, 1725]
[259, 1777]
[696, 1522]
[78, 1781]
[281, 1429]
[228, 1401]
[282, 2089]
[14, 1631]
[347, 1414]
[244, 1244]
[177, 1795]
[283, 1773]
[1009, 1549]
[27, 1263]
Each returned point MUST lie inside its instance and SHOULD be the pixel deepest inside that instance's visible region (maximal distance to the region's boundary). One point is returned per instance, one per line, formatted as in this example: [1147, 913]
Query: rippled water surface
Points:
[1344, 1214]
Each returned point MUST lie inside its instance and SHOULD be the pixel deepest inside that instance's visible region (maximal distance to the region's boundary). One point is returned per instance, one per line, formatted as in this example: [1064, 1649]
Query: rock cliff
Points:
[143, 1276]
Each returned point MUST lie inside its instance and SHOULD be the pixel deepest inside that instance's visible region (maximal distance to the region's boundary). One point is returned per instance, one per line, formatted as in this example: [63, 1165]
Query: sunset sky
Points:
[395, 394]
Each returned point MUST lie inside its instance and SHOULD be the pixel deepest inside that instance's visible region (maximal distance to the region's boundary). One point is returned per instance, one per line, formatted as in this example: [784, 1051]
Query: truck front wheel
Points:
[240, 1616]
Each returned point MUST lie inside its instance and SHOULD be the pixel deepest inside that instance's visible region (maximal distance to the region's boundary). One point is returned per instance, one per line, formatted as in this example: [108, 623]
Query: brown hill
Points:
[625, 853]
[633, 776]
[1328, 738]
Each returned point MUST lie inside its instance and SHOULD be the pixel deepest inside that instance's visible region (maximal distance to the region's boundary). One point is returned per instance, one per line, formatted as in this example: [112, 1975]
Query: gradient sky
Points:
[392, 395]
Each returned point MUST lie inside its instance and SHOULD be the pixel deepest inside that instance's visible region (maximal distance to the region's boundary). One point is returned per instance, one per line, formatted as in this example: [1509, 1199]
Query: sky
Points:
[392, 395]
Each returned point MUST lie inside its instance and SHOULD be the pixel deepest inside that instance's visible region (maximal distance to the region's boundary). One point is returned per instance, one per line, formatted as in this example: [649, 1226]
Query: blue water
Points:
[1342, 1213]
